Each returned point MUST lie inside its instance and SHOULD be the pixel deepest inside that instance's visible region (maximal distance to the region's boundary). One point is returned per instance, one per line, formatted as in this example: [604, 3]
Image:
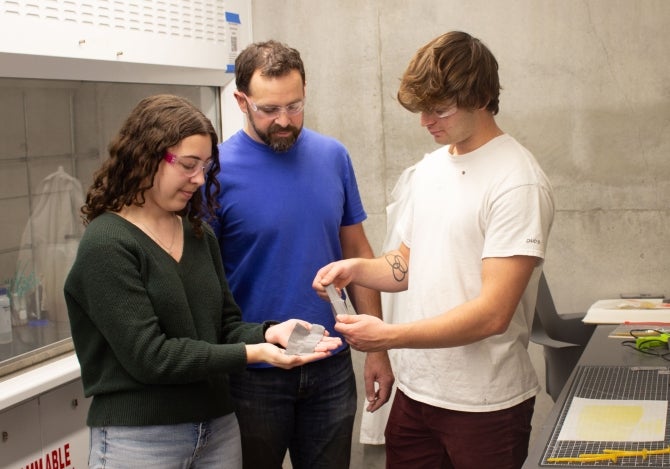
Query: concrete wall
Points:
[585, 88]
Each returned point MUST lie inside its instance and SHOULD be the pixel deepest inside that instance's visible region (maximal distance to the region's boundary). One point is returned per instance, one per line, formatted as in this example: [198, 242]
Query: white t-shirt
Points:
[492, 202]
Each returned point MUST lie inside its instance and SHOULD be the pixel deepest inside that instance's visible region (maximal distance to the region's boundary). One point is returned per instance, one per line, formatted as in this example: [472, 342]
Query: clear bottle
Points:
[5, 317]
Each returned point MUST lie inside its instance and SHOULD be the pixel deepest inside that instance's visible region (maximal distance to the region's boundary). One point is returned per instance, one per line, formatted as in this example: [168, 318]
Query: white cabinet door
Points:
[63, 426]
[20, 443]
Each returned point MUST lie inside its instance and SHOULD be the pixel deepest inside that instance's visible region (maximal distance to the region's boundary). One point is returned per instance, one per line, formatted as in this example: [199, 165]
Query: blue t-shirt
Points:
[279, 220]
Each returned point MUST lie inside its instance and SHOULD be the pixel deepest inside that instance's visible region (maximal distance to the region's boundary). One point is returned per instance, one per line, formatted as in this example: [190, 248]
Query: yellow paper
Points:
[614, 420]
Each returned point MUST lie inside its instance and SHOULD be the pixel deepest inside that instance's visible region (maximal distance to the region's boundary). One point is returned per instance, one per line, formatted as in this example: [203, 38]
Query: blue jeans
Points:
[308, 410]
[211, 444]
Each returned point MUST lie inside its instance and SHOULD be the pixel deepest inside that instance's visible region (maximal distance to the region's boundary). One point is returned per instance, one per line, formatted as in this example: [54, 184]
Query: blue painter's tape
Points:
[233, 17]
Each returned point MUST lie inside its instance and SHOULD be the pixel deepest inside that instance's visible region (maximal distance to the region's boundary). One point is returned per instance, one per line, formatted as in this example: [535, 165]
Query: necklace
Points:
[160, 241]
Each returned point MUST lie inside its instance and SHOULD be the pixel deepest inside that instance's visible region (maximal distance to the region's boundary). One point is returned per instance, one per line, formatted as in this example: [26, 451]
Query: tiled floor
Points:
[373, 456]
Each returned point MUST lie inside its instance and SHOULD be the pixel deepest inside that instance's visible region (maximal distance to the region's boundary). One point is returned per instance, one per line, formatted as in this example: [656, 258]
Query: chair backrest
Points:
[545, 310]
[563, 327]
[563, 337]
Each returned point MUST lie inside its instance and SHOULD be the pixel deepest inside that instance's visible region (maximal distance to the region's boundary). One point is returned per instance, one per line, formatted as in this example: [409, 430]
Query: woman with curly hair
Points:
[155, 327]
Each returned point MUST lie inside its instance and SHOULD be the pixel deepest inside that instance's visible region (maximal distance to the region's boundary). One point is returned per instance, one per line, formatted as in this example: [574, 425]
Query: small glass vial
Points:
[19, 310]
[5, 317]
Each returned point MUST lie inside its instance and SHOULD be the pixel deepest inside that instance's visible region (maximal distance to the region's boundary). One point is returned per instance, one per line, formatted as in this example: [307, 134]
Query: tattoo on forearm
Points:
[398, 266]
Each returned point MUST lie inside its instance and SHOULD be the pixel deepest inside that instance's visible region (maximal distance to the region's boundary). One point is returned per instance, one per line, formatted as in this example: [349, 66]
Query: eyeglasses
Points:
[444, 113]
[188, 165]
[275, 111]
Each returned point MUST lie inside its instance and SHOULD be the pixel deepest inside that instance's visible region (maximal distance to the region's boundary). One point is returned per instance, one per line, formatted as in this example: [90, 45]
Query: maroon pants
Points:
[421, 436]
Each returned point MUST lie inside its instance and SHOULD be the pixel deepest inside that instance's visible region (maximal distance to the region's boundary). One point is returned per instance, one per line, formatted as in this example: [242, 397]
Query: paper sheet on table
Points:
[614, 420]
[617, 311]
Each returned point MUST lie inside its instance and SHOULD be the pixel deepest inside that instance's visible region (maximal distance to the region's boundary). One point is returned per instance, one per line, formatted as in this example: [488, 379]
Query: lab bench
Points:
[604, 372]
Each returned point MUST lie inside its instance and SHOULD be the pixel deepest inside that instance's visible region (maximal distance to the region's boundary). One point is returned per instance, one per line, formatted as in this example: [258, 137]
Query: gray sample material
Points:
[302, 340]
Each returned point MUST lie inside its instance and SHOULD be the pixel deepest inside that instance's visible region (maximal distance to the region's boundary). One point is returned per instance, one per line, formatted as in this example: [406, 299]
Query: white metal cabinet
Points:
[63, 426]
[48, 431]
[19, 435]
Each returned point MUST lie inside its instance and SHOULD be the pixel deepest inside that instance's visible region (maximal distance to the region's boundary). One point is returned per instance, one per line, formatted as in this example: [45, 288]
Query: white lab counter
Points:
[26, 385]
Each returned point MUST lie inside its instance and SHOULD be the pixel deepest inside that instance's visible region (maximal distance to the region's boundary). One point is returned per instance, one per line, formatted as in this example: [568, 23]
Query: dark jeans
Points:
[309, 410]
[421, 436]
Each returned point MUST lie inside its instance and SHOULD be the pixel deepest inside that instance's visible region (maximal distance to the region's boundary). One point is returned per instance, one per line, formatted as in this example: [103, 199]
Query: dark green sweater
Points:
[155, 338]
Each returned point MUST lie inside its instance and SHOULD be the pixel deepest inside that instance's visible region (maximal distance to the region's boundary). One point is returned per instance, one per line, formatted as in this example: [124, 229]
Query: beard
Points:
[270, 138]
